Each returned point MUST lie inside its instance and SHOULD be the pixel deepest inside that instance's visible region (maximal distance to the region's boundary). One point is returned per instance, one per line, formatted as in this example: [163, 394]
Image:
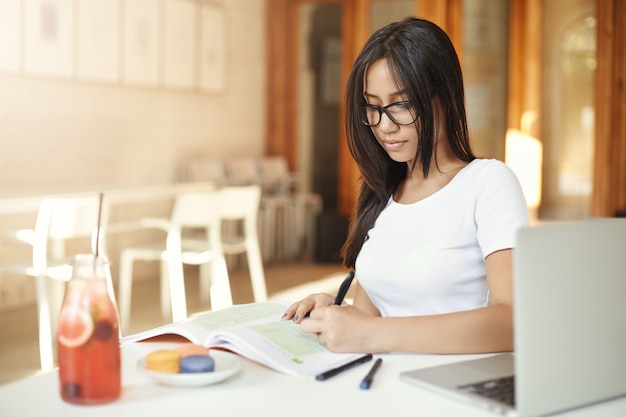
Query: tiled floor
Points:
[19, 354]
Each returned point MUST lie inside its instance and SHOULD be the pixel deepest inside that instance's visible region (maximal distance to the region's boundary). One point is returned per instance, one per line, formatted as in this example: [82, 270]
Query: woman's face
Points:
[399, 141]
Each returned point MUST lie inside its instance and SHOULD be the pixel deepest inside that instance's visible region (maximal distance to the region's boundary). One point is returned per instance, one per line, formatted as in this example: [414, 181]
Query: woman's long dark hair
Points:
[425, 65]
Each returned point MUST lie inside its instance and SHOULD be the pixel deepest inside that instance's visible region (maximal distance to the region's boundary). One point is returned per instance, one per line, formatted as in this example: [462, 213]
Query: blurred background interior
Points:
[147, 99]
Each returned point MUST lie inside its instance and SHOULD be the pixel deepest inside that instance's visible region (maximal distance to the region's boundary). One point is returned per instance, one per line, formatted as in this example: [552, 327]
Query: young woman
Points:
[431, 240]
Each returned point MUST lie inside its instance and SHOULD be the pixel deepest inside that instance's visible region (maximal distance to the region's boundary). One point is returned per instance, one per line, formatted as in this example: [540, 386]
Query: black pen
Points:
[367, 381]
[343, 289]
[332, 372]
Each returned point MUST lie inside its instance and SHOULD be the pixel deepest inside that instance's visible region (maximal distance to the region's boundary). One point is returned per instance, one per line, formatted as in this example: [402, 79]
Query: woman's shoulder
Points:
[488, 169]
[487, 165]
[487, 173]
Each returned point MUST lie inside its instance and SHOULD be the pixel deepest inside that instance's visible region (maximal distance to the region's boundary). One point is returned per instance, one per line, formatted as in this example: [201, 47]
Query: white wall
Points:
[56, 135]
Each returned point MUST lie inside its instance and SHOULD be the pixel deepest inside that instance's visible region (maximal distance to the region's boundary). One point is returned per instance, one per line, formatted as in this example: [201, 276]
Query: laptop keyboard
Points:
[500, 389]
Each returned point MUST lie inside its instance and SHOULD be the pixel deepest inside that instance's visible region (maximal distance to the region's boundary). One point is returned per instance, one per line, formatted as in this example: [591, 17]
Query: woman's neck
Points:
[416, 186]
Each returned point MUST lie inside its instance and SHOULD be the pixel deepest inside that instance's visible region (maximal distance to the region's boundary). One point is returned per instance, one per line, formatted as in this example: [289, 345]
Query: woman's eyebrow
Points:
[396, 94]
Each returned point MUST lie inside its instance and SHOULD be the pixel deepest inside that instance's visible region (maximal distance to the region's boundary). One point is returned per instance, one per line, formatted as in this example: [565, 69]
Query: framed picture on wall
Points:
[212, 48]
[48, 37]
[180, 44]
[140, 49]
[98, 34]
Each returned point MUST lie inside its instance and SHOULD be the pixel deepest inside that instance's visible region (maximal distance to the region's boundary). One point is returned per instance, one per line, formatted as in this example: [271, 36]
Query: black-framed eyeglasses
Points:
[401, 113]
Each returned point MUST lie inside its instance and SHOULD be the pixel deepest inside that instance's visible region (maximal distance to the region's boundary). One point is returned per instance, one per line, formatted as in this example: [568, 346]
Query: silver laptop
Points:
[570, 326]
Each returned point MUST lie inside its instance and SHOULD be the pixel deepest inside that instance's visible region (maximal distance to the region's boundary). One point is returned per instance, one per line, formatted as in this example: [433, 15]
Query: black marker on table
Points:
[343, 290]
[367, 381]
[335, 371]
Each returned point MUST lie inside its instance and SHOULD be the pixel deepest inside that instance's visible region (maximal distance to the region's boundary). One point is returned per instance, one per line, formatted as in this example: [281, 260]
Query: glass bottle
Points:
[88, 335]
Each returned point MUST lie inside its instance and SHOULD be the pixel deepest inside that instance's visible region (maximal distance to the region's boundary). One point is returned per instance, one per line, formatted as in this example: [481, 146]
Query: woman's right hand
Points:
[301, 309]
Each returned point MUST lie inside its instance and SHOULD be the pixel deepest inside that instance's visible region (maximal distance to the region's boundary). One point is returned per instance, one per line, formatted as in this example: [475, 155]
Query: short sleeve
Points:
[500, 208]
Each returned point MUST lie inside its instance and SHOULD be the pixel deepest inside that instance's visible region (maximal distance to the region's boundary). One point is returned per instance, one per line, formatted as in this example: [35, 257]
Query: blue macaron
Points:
[197, 363]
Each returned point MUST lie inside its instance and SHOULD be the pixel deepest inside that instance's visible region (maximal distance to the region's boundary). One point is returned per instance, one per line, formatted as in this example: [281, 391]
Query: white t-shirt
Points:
[429, 257]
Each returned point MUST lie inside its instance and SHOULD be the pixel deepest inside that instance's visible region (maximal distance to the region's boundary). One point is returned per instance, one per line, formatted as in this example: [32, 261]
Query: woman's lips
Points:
[393, 145]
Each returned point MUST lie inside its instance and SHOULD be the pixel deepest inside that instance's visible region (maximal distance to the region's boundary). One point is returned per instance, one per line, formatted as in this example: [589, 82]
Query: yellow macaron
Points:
[164, 361]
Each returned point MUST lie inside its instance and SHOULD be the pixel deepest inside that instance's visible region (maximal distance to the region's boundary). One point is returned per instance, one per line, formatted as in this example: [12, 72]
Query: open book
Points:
[257, 332]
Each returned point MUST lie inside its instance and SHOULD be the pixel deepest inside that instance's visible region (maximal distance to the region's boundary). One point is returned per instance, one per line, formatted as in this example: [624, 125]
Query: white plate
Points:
[226, 365]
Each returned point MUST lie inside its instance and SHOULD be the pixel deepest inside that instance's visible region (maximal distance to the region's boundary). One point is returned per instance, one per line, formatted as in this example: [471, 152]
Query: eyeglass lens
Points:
[401, 113]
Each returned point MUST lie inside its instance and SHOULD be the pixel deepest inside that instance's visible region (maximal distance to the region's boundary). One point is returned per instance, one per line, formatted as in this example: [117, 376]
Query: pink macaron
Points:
[190, 349]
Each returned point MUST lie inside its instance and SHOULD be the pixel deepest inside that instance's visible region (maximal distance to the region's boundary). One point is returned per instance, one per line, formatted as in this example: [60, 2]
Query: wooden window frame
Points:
[609, 188]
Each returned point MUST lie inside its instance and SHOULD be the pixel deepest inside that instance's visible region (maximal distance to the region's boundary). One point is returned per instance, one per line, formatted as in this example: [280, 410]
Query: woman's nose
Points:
[386, 124]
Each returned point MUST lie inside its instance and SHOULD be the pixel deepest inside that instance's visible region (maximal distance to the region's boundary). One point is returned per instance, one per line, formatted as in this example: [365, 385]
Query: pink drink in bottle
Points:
[88, 336]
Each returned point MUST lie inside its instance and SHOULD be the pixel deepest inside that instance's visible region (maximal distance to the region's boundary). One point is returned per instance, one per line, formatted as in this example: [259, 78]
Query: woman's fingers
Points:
[301, 309]
[341, 329]
[298, 310]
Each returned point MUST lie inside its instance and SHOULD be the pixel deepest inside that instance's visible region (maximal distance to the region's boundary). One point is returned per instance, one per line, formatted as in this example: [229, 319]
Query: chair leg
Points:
[205, 281]
[56, 292]
[46, 353]
[268, 230]
[176, 289]
[172, 265]
[166, 297]
[257, 276]
[125, 289]
[306, 208]
[221, 295]
[290, 244]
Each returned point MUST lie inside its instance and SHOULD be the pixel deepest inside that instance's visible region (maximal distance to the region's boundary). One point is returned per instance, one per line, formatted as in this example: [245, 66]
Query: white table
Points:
[258, 391]
[28, 201]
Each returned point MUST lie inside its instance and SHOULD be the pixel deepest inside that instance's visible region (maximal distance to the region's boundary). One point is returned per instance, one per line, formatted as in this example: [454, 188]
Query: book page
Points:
[238, 315]
[255, 331]
[280, 345]
[289, 337]
[197, 328]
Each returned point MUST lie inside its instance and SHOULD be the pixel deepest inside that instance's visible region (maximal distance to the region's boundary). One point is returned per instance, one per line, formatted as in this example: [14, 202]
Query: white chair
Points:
[239, 211]
[59, 220]
[275, 176]
[277, 220]
[289, 213]
[205, 169]
[276, 228]
[191, 211]
[242, 171]
[306, 209]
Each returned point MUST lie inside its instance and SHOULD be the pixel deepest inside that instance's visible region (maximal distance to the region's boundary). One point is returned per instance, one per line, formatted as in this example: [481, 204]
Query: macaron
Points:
[164, 361]
[188, 349]
[197, 363]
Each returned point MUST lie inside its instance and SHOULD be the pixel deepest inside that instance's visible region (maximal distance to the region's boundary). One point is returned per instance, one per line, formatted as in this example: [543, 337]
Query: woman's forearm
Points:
[488, 329]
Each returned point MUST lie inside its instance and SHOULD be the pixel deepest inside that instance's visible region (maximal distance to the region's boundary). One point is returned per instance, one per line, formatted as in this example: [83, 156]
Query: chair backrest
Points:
[240, 202]
[275, 175]
[206, 169]
[200, 209]
[242, 171]
[60, 219]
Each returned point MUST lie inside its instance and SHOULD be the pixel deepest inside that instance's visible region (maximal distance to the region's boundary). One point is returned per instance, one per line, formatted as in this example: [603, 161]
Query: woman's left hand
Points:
[342, 328]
